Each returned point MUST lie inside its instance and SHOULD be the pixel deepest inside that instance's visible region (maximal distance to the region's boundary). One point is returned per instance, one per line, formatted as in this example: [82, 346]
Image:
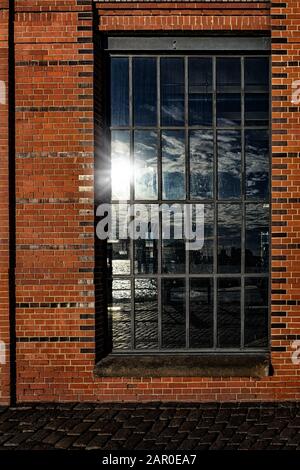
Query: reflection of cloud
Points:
[145, 165]
[201, 153]
[229, 216]
[257, 162]
[257, 217]
[229, 152]
[173, 112]
[173, 148]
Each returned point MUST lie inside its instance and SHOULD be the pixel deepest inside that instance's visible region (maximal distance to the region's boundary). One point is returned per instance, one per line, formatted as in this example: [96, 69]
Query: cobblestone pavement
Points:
[156, 426]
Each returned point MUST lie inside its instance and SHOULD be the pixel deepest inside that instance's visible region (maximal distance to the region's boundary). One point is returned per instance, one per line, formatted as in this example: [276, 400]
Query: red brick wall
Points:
[4, 221]
[215, 16]
[57, 130]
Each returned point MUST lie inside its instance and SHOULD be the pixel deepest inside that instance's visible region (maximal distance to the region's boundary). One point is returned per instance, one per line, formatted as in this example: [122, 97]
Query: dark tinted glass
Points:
[119, 311]
[144, 91]
[119, 92]
[200, 110]
[145, 245]
[201, 260]
[201, 313]
[172, 91]
[257, 238]
[229, 164]
[173, 313]
[256, 313]
[228, 74]
[145, 256]
[228, 109]
[200, 75]
[229, 238]
[146, 314]
[256, 109]
[257, 164]
[173, 164]
[256, 73]
[229, 313]
[145, 165]
[173, 244]
[201, 149]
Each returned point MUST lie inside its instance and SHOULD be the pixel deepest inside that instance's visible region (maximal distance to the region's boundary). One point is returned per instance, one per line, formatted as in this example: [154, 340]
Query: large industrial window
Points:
[191, 130]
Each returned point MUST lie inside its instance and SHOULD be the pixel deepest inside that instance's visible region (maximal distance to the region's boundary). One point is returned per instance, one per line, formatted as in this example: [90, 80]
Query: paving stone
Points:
[84, 439]
[98, 442]
[65, 442]
[155, 426]
[52, 438]
[16, 439]
[79, 429]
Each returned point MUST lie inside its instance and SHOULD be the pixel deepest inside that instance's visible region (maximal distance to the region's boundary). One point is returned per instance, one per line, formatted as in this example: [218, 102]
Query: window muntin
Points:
[192, 129]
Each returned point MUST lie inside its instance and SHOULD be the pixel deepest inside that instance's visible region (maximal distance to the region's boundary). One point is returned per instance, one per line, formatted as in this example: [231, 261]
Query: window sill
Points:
[225, 365]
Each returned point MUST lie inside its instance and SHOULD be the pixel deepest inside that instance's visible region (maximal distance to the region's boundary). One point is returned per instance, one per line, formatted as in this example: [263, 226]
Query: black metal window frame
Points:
[242, 202]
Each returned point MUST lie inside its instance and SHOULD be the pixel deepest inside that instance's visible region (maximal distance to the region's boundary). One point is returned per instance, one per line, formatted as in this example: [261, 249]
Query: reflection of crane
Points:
[264, 246]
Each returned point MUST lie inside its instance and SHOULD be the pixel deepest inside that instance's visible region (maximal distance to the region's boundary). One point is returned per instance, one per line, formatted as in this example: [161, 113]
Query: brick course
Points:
[58, 128]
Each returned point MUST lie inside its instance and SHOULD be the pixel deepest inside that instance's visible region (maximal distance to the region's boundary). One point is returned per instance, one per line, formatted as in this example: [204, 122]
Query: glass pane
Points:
[256, 313]
[146, 314]
[201, 313]
[119, 256]
[200, 110]
[229, 238]
[145, 164]
[144, 91]
[228, 74]
[228, 110]
[229, 164]
[173, 164]
[200, 88]
[173, 313]
[173, 244]
[200, 75]
[119, 313]
[118, 247]
[201, 148]
[257, 74]
[145, 256]
[256, 109]
[120, 165]
[119, 92]
[257, 164]
[172, 91]
[146, 227]
[229, 313]
[201, 261]
[257, 238]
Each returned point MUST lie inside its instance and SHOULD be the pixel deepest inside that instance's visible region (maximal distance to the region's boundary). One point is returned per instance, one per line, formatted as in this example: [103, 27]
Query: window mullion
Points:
[215, 205]
[187, 194]
[243, 195]
[159, 191]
